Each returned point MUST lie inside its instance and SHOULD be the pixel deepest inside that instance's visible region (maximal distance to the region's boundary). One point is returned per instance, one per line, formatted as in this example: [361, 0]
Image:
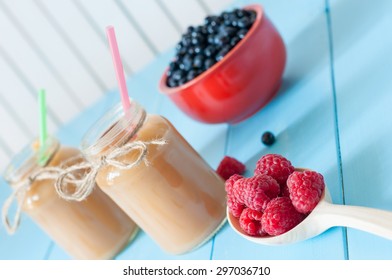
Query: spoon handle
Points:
[375, 221]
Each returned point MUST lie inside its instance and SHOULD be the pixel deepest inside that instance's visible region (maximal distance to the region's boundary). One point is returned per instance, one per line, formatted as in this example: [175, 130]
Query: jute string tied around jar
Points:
[85, 185]
[80, 176]
[19, 192]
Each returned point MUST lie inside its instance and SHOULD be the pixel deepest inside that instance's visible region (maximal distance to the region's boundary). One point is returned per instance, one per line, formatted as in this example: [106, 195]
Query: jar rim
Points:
[112, 130]
[30, 159]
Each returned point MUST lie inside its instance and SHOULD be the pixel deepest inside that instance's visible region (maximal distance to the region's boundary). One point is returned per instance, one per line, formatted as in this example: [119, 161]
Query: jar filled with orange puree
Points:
[95, 228]
[156, 177]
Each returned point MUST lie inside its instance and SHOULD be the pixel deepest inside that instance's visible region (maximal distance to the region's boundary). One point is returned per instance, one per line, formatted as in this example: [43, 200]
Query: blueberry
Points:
[208, 63]
[202, 30]
[207, 20]
[210, 39]
[209, 51]
[241, 33]
[227, 22]
[240, 13]
[222, 53]
[179, 46]
[233, 22]
[178, 57]
[169, 73]
[186, 40]
[182, 51]
[191, 51]
[236, 11]
[178, 75]
[198, 39]
[171, 82]
[247, 13]
[173, 65]
[198, 49]
[186, 63]
[190, 29]
[229, 19]
[268, 138]
[244, 22]
[212, 29]
[198, 61]
[182, 81]
[191, 75]
[212, 20]
[221, 40]
[194, 33]
[227, 30]
[234, 41]
[252, 16]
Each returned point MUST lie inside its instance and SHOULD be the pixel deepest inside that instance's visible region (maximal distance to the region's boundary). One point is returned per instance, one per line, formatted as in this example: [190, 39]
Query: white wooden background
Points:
[61, 46]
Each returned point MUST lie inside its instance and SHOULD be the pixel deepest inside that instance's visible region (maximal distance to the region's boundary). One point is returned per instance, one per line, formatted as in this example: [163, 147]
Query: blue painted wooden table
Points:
[332, 114]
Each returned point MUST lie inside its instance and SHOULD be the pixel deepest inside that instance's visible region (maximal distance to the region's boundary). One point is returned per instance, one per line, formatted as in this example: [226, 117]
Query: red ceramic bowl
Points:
[239, 85]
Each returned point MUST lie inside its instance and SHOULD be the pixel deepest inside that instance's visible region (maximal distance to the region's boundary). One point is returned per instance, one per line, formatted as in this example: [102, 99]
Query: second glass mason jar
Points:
[176, 198]
[95, 228]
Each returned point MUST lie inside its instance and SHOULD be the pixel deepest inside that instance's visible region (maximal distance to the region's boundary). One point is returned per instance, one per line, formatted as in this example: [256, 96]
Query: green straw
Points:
[43, 133]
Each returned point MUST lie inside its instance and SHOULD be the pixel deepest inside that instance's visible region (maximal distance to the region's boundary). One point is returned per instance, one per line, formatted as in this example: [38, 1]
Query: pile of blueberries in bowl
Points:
[203, 46]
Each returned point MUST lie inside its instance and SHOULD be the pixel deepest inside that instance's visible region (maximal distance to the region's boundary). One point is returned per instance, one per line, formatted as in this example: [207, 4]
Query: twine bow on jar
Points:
[19, 192]
[85, 185]
[80, 176]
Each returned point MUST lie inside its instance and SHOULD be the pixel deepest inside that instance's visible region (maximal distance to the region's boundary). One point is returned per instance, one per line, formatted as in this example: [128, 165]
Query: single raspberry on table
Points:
[250, 222]
[255, 192]
[305, 189]
[235, 208]
[280, 216]
[230, 166]
[276, 166]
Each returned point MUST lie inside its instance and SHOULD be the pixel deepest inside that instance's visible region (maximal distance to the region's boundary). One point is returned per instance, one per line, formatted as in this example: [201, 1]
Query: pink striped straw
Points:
[118, 67]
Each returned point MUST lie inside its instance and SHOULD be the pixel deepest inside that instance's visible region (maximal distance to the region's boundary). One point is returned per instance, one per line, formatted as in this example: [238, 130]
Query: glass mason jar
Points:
[95, 228]
[169, 191]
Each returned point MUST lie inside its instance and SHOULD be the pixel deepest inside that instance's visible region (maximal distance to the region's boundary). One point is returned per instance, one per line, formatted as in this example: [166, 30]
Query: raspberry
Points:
[285, 191]
[250, 222]
[230, 183]
[275, 166]
[230, 166]
[280, 216]
[235, 207]
[255, 192]
[305, 189]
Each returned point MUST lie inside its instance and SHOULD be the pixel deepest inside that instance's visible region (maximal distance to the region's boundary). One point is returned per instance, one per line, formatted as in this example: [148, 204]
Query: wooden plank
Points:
[35, 71]
[4, 155]
[88, 43]
[134, 51]
[20, 100]
[217, 6]
[301, 117]
[186, 13]
[363, 63]
[153, 21]
[15, 137]
[46, 38]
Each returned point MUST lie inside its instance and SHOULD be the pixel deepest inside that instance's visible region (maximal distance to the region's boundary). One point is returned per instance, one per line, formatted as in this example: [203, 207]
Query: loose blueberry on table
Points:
[268, 138]
[203, 46]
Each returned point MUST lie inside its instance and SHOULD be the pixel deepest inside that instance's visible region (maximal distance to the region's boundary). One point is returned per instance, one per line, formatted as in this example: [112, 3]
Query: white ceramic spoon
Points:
[324, 216]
